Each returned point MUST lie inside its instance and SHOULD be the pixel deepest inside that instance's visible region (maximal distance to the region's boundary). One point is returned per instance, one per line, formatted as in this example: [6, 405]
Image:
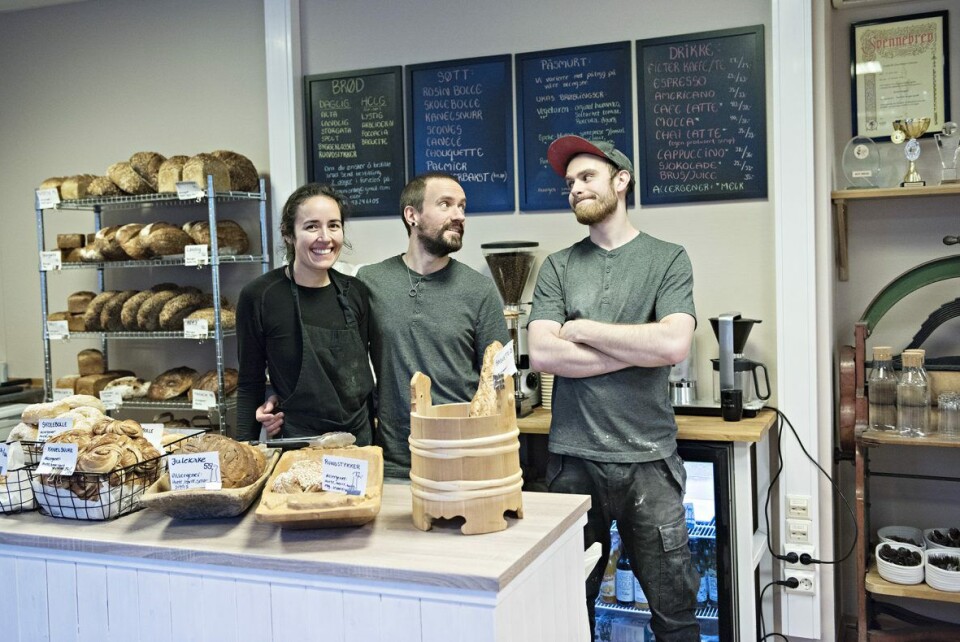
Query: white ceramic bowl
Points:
[899, 574]
[927, 537]
[939, 578]
[915, 535]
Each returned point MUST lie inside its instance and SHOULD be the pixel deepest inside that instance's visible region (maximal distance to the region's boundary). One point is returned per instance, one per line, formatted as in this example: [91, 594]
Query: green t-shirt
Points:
[622, 416]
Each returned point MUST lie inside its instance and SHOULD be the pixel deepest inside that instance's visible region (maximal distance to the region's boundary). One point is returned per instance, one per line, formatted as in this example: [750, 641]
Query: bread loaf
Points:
[91, 317]
[200, 166]
[163, 239]
[179, 308]
[240, 464]
[90, 362]
[208, 381]
[58, 316]
[243, 175]
[148, 316]
[231, 238]
[90, 254]
[170, 173]
[70, 241]
[128, 237]
[228, 318]
[484, 403]
[76, 187]
[33, 413]
[129, 387]
[67, 381]
[54, 182]
[127, 179]
[78, 301]
[147, 165]
[23, 432]
[92, 384]
[84, 401]
[172, 383]
[128, 313]
[110, 315]
[76, 323]
[103, 186]
[105, 241]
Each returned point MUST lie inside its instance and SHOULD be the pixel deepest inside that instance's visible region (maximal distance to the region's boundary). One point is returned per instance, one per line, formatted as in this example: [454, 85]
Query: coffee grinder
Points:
[510, 265]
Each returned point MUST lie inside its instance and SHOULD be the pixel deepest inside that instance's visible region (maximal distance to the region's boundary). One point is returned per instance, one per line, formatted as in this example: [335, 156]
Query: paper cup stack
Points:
[546, 390]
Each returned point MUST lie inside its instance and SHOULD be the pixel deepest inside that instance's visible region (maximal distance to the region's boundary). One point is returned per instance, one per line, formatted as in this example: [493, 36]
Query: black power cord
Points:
[791, 582]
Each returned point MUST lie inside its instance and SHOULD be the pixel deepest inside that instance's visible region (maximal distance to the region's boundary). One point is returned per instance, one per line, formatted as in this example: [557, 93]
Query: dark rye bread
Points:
[179, 308]
[128, 313]
[148, 316]
[110, 314]
[91, 318]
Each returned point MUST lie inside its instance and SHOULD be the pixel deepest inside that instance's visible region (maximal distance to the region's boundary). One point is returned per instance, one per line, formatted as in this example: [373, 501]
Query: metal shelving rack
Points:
[146, 202]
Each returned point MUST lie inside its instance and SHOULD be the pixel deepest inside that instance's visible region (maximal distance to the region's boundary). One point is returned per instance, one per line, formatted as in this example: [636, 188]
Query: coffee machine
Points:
[736, 382]
[510, 265]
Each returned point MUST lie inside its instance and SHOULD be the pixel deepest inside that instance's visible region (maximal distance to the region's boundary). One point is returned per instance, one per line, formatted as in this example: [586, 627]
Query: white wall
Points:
[730, 243]
[88, 84]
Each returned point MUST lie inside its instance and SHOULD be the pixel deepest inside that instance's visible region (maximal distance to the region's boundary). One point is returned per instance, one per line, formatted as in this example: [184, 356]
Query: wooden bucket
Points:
[464, 466]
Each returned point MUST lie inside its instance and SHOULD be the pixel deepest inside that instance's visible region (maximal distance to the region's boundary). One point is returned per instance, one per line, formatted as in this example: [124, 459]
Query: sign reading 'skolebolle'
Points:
[702, 117]
[460, 122]
[355, 136]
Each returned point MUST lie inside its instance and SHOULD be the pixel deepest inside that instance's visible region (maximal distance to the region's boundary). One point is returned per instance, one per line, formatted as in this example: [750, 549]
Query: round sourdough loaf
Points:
[231, 239]
[105, 241]
[208, 381]
[228, 317]
[243, 175]
[128, 237]
[163, 239]
[172, 383]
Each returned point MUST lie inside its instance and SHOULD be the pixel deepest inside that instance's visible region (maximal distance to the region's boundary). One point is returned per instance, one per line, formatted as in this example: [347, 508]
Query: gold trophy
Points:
[912, 129]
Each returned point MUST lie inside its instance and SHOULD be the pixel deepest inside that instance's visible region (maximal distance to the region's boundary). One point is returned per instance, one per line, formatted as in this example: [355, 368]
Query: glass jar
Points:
[882, 391]
[913, 397]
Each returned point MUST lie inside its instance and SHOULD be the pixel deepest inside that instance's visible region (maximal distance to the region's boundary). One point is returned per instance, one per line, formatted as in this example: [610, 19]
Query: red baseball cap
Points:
[566, 147]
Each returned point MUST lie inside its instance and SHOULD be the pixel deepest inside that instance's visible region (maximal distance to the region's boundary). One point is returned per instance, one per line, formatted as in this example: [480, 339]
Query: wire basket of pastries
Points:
[16, 494]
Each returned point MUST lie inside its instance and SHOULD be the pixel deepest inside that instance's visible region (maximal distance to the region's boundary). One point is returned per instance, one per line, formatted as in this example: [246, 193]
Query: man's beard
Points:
[437, 244]
[597, 210]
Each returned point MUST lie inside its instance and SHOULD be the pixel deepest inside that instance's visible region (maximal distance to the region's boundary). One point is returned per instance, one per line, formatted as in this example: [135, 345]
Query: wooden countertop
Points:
[688, 426]
[386, 549]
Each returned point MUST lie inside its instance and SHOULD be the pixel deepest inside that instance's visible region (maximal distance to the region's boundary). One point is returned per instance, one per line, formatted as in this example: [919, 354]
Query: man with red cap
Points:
[610, 315]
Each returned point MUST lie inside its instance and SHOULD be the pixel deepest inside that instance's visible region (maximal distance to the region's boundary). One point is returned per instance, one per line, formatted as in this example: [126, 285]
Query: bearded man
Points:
[610, 315]
[429, 312]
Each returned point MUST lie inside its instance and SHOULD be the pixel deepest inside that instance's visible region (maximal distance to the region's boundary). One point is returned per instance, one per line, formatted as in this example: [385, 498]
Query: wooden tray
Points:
[313, 510]
[199, 503]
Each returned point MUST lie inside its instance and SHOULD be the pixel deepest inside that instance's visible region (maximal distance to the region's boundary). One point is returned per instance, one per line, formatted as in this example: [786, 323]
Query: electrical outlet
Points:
[807, 579]
[798, 506]
[798, 531]
[799, 549]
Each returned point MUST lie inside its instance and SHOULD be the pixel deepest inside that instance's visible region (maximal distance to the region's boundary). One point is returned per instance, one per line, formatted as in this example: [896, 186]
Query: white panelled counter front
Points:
[145, 576]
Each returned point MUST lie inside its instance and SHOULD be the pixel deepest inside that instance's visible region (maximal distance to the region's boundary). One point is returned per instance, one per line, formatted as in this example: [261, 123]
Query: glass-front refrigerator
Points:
[622, 614]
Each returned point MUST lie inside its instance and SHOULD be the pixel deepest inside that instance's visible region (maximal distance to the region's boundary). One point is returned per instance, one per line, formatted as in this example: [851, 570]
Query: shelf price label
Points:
[196, 470]
[112, 399]
[58, 459]
[50, 427]
[188, 190]
[504, 362]
[195, 329]
[196, 255]
[204, 399]
[58, 330]
[3, 459]
[344, 475]
[47, 198]
[50, 260]
[62, 393]
[154, 434]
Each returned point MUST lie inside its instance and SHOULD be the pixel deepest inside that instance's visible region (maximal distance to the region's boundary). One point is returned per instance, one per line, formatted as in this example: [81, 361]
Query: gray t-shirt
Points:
[622, 416]
[442, 332]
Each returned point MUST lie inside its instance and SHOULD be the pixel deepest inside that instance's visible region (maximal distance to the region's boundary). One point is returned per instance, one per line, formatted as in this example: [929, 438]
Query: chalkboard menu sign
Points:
[355, 136]
[583, 91]
[461, 122]
[703, 116]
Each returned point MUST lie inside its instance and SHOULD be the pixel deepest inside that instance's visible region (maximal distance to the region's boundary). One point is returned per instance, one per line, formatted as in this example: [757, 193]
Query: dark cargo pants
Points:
[646, 499]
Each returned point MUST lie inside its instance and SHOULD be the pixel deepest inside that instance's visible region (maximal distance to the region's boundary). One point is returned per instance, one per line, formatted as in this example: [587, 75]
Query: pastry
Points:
[33, 413]
[147, 165]
[484, 403]
[243, 175]
[170, 173]
[172, 383]
[23, 432]
[84, 401]
[239, 463]
[127, 427]
[198, 167]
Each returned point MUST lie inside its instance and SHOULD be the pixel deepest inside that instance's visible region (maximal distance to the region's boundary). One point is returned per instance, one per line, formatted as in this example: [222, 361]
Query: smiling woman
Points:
[306, 324]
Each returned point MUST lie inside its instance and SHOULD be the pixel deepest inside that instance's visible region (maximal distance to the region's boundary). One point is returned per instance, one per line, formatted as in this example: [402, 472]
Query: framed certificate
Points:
[898, 69]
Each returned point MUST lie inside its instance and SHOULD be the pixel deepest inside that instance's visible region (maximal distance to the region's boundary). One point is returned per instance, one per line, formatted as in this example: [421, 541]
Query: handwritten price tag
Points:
[504, 362]
[197, 470]
[58, 330]
[51, 260]
[187, 190]
[204, 399]
[50, 427]
[196, 255]
[58, 459]
[47, 198]
[62, 393]
[195, 329]
[344, 475]
[112, 399]
[3, 459]
[154, 434]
